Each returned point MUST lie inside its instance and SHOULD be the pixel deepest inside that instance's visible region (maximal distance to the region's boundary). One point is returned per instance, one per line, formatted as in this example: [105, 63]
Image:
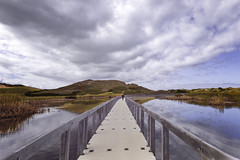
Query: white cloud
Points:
[135, 41]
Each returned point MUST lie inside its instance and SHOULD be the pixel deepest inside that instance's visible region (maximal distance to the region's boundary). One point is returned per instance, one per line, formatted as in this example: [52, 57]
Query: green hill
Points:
[93, 87]
[16, 88]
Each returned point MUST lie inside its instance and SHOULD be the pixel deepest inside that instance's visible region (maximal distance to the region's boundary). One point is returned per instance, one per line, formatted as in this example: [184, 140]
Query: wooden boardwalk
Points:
[118, 138]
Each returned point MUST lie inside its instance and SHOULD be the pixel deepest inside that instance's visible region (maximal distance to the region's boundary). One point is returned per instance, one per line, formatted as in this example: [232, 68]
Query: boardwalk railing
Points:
[207, 151]
[73, 135]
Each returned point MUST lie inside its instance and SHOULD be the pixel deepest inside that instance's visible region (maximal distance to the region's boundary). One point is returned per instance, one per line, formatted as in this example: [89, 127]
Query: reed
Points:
[13, 105]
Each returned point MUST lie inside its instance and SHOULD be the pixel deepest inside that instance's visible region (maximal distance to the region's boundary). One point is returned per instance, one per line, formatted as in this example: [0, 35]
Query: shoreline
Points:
[211, 101]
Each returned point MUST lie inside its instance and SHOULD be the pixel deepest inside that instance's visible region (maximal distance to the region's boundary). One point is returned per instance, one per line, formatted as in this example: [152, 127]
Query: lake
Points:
[219, 127]
[30, 129]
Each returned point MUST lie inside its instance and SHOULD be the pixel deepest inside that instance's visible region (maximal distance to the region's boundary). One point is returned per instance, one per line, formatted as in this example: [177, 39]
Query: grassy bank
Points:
[214, 96]
[143, 100]
[14, 102]
[80, 106]
[13, 105]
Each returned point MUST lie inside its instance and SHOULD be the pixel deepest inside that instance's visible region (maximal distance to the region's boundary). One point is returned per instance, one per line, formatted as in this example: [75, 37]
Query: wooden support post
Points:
[142, 121]
[134, 111]
[135, 116]
[138, 120]
[80, 139]
[85, 132]
[165, 143]
[149, 130]
[105, 111]
[94, 123]
[99, 116]
[101, 112]
[152, 135]
[65, 146]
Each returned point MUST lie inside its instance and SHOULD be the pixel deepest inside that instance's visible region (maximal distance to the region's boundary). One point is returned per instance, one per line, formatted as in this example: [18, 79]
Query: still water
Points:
[219, 127]
[29, 130]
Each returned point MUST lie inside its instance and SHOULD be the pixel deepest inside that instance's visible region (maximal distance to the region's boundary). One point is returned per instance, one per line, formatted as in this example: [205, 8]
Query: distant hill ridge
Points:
[94, 87]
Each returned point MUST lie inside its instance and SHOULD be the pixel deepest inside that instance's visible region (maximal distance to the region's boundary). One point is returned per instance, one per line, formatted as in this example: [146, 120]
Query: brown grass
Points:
[13, 105]
[213, 100]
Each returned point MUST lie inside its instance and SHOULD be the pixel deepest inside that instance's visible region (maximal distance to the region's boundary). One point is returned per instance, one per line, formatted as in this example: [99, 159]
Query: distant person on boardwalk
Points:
[122, 96]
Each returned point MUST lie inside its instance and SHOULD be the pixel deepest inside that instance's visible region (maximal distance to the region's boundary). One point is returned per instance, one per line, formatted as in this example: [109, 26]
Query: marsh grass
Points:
[13, 105]
[215, 97]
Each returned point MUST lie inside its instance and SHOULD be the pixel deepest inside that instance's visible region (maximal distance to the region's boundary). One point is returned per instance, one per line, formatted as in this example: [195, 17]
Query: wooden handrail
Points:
[206, 150]
[79, 126]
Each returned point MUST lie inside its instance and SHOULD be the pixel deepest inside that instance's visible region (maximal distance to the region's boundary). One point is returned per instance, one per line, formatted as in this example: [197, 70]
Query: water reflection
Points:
[220, 128]
[32, 128]
[9, 126]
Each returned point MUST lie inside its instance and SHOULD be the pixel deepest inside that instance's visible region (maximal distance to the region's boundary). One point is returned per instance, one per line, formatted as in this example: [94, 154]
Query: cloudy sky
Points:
[160, 44]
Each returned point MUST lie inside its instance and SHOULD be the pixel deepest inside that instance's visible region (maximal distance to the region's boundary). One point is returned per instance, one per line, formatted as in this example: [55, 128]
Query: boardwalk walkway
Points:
[118, 138]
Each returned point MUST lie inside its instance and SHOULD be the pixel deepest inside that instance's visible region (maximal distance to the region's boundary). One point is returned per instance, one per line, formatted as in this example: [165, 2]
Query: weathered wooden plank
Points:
[152, 135]
[149, 130]
[94, 123]
[165, 143]
[65, 145]
[80, 139]
[134, 111]
[85, 135]
[142, 121]
[73, 142]
[100, 117]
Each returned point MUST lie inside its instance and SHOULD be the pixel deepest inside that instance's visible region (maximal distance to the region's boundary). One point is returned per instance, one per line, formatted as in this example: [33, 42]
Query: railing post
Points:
[94, 123]
[103, 108]
[134, 110]
[142, 121]
[152, 135]
[138, 120]
[135, 115]
[165, 143]
[149, 130]
[85, 131]
[80, 141]
[101, 112]
[99, 116]
[65, 146]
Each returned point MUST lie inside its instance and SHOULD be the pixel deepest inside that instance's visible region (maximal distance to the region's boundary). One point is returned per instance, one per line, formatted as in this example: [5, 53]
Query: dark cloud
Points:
[126, 40]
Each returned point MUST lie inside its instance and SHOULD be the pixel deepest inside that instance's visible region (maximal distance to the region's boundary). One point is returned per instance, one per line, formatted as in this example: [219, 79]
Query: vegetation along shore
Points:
[23, 101]
[216, 97]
